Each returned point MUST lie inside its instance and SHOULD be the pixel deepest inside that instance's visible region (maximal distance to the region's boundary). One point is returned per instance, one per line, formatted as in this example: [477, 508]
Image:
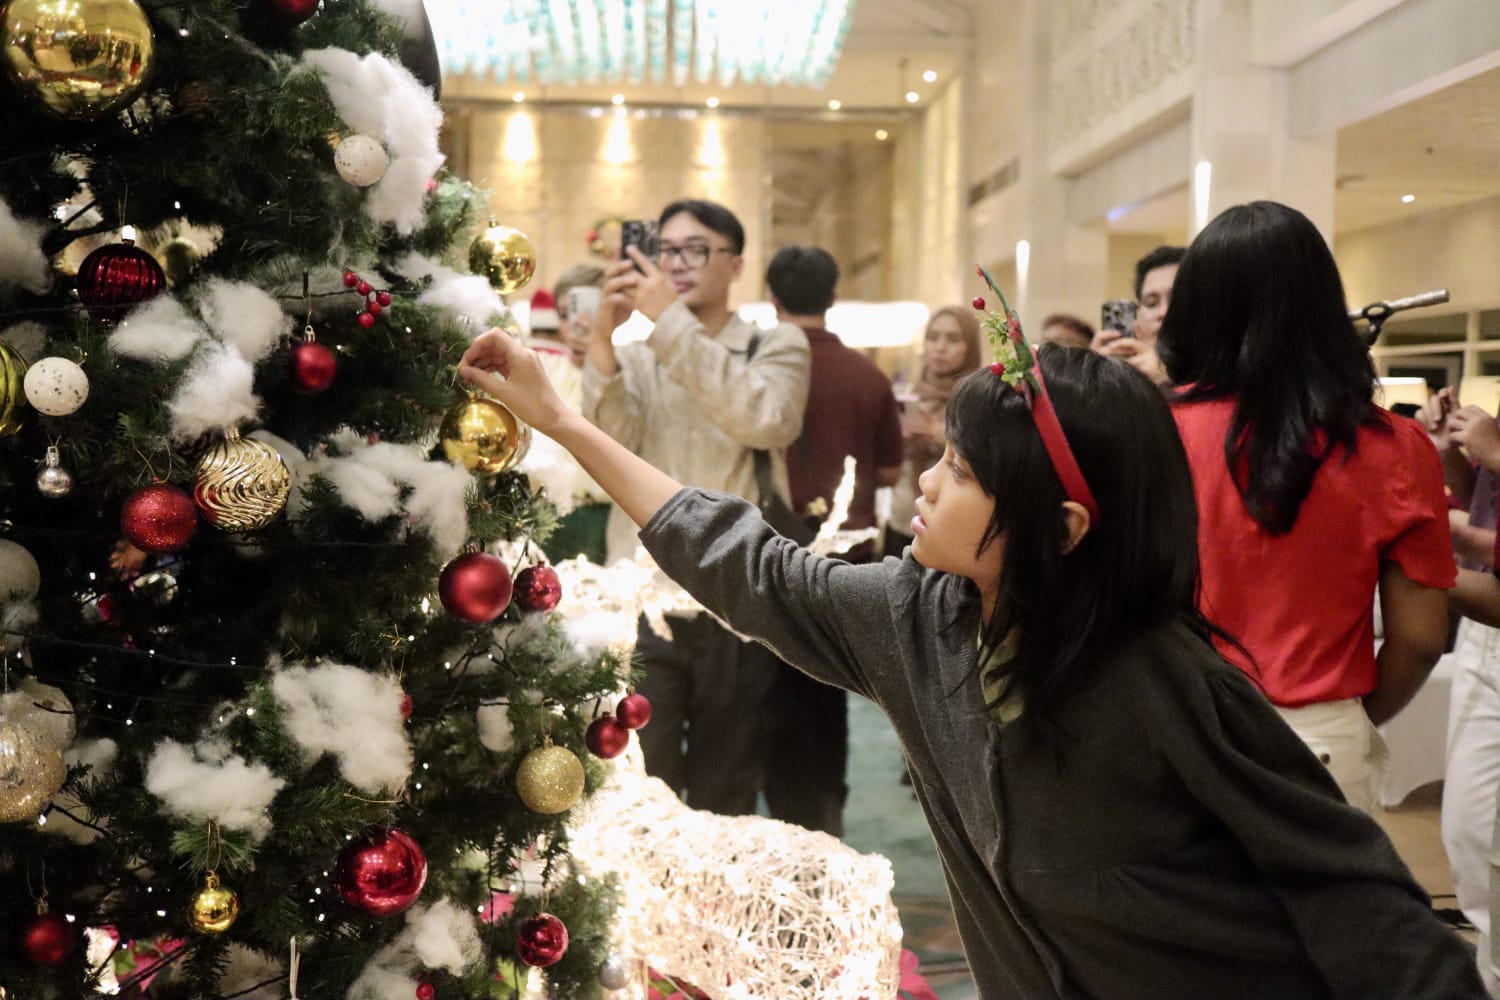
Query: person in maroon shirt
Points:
[851, 410]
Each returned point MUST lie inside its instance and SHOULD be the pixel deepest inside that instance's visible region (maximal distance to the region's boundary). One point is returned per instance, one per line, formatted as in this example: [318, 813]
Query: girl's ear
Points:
[1076, 524]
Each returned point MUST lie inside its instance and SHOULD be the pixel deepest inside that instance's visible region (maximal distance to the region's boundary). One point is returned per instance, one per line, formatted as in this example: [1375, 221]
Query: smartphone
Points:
[583, 304]
[641, 234]
[1118, 315]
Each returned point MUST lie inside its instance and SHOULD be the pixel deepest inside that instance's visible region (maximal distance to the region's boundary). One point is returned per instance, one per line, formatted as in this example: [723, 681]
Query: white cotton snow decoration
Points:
[204, 782]
[241, 314]
[351, 713]
[23, 263]
[217, 392]
[441, 936]
[159, 330]
[383, 100]
[495, 729]
[465, 297]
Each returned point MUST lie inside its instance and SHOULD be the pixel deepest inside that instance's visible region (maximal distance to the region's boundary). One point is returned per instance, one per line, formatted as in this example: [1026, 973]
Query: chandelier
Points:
[794, 42]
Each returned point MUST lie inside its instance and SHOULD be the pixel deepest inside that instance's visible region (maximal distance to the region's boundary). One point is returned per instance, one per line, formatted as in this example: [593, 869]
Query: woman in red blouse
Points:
[1311, 498]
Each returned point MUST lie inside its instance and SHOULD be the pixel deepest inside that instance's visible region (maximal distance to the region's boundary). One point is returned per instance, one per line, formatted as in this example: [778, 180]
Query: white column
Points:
[1241, 128]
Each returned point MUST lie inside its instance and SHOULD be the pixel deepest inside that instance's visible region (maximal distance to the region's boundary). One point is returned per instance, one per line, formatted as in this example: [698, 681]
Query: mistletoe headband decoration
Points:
[1015, 364]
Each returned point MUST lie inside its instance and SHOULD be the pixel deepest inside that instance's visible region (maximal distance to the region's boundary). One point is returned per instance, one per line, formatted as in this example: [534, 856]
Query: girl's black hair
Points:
[1136, 569]
[1258, 315]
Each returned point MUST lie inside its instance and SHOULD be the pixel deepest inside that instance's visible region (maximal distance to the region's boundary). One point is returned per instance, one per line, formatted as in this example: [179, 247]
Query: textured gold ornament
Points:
[550, 779]
[214, 907]
[80, 59]
[241, 484]
[504, 256]
[31, 771]
[12, 391]
[483, 436]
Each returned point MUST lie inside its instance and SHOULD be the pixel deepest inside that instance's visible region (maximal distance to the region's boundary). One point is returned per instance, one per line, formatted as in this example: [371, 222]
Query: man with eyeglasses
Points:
[697, 398]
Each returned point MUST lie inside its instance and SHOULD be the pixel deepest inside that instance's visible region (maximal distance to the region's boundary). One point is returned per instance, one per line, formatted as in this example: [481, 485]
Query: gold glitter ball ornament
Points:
[79, 59]
[31, 771]
[550, 779]
[241, 484]
[214, 908]
[12, 391]
[504, 256]
[483, 436]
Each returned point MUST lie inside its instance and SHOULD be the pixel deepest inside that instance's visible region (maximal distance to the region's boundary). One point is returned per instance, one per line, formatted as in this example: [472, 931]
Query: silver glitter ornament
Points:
[614, 974]
[54, 481]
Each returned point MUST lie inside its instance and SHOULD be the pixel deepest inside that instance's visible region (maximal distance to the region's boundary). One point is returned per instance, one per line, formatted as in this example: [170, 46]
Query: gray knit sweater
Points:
[1187, 845]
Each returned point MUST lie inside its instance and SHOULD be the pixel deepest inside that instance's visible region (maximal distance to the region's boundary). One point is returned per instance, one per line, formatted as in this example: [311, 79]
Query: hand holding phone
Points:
[641, 234]
[1118, 315]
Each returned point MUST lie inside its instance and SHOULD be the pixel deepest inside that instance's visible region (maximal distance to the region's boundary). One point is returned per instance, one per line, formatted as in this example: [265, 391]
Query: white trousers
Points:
[1340, 734]
[1470, 782]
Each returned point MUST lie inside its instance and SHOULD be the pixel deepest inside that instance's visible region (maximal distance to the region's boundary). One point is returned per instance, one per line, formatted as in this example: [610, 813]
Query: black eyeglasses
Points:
[692, 255]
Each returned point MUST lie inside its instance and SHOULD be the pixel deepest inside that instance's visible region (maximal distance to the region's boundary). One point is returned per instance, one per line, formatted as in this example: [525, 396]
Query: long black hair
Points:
[1136, 569]
[1258, 315]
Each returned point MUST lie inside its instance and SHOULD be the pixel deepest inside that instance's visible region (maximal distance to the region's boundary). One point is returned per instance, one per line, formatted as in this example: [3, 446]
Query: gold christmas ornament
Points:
[483, 436]
[550, 779]
[214, 907]
[12, 391]
[504, 256]
[31, 771]
[241, 484]
[79, 59]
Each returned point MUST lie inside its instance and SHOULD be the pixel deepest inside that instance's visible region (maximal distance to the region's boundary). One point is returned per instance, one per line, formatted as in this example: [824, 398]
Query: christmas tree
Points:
[265, 685]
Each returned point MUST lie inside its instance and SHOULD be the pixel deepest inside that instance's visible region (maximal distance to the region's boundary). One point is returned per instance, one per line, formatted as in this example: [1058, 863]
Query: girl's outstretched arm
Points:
[498, 364]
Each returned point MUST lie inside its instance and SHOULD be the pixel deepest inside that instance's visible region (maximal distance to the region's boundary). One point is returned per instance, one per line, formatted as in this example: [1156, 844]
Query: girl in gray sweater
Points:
[1118, 811]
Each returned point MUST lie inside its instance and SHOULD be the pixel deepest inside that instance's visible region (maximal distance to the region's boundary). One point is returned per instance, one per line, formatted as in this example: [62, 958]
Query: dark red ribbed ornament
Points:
[538, 588]
[116, 277]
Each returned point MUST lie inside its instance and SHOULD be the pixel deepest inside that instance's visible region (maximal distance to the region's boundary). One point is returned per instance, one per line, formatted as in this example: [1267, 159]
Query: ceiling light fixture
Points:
[912, 97]
[1407, 199]
[882, 135]
[518, 96]
[835, 105]
[617, 100]
[773, 42]
[712, 102]
[930, 76]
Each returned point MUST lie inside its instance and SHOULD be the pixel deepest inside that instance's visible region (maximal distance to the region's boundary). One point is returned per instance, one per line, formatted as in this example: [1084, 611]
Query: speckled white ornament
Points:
[56, 386]
[20, 576]
[360, 160]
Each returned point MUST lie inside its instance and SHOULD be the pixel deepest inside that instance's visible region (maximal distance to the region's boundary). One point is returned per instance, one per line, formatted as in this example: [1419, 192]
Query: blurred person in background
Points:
[1155, 274]
[1067, 330]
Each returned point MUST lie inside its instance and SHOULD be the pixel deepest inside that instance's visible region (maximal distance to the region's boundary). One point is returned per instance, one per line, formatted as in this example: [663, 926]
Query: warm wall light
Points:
[1407, 199]
[518, 96]
[912, 97]
[617, 146]
[519, 144]
[834, 105]
[712, 102]
[617, 100]
[882, 134]
[1203, 176]
[930, 76]
[711, 144]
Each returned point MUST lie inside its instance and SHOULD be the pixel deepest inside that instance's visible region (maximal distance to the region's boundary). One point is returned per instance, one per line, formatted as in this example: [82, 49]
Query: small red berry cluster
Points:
[375, 301]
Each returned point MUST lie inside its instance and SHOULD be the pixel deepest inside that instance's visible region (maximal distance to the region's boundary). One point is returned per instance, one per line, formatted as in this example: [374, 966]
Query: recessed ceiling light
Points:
[912, 97]
[712, 102]
[617, 100]
[1407, 199]
[882, 134]
[930, 76]
[834, 105]
[518, 96]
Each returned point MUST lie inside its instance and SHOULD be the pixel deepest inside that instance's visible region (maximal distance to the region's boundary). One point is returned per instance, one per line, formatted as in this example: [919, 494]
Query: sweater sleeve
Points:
[817, 614]
[1364, 922]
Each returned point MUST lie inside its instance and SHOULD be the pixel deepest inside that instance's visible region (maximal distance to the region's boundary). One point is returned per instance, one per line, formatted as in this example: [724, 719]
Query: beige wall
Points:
[554, 172]
[1457, 249]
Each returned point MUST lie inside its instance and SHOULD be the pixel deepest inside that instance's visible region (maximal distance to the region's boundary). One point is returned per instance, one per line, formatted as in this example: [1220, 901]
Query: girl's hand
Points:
[498, 364]
[1433, 416]
[1475, 430]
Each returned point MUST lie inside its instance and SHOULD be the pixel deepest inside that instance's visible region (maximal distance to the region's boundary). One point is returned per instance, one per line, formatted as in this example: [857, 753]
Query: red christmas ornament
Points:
[406, 706]
[364, 288]
[541, 941]
[47, 939]
[978, 302]
[633, 711]
[350, 279]
[384, 298]
[313, 366]
[475, 587]
[116, 277]
[538, 588]
[159, 518]
[290, 11]
[366, 320]
[426, 991]
[381, 873]
[606, 737]
[373, 308]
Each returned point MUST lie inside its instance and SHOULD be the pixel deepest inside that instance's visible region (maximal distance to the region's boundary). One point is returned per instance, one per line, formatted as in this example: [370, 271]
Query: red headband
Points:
[1016, 365]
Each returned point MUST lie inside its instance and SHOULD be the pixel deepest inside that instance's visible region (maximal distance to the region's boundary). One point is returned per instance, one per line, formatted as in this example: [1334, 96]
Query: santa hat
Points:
[543, 311]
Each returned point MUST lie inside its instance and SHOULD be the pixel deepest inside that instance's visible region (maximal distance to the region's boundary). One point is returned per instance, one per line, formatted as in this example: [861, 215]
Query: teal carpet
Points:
[882, 817]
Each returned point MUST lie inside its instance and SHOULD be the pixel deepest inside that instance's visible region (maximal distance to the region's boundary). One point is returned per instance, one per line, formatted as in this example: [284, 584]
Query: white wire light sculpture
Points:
[774, 42]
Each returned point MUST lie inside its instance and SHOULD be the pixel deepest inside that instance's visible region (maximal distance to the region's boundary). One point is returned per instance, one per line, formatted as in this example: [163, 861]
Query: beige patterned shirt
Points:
[690, 404]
